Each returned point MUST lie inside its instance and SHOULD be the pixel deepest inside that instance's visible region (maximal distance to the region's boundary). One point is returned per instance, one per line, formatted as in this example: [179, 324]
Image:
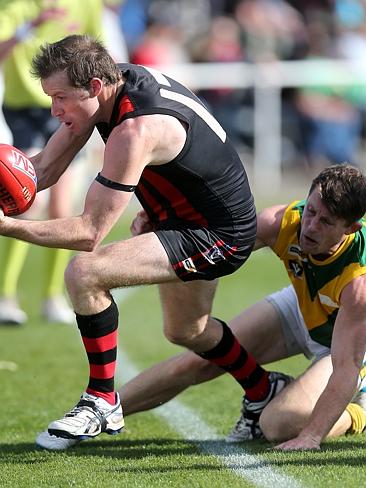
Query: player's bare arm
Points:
[347, 352]
[130, 147]
[123, 162]
[57, 155]
[83, 232]
[268, 226]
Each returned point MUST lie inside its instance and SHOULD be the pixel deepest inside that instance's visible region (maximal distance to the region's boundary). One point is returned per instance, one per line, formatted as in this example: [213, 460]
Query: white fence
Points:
[268, 79]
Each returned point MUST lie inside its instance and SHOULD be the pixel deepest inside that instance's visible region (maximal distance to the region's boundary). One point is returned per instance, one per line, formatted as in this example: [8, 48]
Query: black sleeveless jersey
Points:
[206, 184]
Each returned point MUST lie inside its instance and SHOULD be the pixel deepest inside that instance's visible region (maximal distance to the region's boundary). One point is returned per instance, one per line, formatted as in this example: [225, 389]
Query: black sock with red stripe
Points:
[233, 358]
[99, 335]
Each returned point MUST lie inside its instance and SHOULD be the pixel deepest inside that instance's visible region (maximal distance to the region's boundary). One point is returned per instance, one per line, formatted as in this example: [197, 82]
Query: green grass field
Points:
[43, 370]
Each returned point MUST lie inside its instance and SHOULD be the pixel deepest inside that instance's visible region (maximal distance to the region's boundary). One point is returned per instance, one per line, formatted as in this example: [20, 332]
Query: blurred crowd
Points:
[320, 124]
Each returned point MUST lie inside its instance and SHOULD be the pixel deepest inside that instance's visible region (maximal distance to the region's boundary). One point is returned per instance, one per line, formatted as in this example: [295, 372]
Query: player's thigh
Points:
[289, 411]
[258, 328]
[300, 396]
[135, 261]
[187, 304]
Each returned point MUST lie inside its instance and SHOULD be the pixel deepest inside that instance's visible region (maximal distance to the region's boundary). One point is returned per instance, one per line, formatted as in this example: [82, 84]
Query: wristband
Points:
[24, 32]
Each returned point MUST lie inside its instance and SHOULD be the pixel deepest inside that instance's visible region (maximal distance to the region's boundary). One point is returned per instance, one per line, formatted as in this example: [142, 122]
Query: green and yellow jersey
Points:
[319, 284]
[81, 16]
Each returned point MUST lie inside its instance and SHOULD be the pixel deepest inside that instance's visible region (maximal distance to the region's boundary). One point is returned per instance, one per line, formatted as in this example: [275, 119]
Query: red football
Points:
[18, 181]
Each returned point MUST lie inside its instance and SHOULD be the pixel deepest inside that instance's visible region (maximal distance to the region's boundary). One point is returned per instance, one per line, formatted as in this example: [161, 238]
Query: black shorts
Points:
[30, 127]
[204, 254]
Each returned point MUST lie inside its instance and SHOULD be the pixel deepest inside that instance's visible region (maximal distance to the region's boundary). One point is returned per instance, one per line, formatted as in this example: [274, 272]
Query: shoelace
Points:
[243, 422]
[241, 426]
[250, 414]
[86, 406]
[250, 427]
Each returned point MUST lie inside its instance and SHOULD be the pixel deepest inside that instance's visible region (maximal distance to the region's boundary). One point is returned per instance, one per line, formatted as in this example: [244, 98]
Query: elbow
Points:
[43, 182]
[91, 234]
[90, 245]
[84, 243]
[92, 242]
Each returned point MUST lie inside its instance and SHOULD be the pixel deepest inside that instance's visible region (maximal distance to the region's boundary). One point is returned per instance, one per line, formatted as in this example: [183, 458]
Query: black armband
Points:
[113, 184]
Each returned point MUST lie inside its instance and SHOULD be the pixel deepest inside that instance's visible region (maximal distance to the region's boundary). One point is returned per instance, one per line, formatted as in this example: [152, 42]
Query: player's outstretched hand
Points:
[299, 443]
[141, 224]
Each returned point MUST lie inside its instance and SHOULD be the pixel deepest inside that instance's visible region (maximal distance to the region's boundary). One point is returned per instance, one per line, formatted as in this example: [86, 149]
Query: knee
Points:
[185, 331]
[177, 332]
[78, 273]
[177, 336]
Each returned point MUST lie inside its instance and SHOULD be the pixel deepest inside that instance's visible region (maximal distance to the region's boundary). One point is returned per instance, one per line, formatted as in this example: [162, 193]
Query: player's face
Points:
[75, 107]
[321, 232]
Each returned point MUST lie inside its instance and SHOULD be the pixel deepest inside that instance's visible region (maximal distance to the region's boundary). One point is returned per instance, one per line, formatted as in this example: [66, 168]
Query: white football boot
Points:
[10, 312]
[90, 417]
[56, 309]
[247, 427]
[44, 440]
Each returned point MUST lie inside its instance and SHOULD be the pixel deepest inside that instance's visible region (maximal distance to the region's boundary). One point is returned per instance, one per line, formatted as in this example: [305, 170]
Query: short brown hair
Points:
[343, 191]
[81, 56]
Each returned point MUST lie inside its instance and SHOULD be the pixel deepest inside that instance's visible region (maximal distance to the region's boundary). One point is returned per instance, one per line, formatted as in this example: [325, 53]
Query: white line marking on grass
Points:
[190, 426]
[8, 365]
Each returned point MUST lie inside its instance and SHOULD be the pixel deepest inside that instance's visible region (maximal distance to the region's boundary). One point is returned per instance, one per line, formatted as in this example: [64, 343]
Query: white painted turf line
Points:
[190, 426]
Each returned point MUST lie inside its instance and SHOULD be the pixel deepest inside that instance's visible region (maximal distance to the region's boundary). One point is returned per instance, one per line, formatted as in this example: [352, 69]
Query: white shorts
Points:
[297, 337]
[296, 334]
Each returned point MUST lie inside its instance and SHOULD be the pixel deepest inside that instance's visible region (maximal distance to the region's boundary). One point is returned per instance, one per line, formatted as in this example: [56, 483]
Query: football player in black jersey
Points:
[322, 315]
[163, 144]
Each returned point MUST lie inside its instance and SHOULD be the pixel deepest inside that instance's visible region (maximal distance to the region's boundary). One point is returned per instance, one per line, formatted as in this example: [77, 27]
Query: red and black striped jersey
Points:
[206, 184]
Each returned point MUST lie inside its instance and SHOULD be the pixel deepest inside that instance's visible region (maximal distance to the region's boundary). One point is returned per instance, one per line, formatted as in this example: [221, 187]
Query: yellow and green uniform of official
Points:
[81, 17]
[319, 284]
[21, 91]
